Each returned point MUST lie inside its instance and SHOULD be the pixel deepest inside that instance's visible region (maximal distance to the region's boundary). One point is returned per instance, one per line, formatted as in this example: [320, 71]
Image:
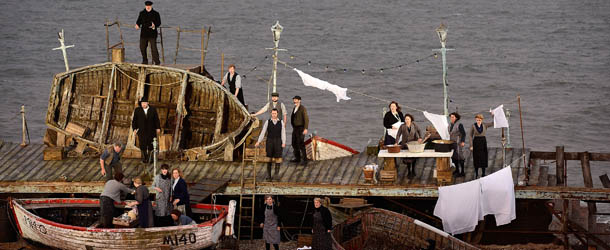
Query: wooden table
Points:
[443, 165]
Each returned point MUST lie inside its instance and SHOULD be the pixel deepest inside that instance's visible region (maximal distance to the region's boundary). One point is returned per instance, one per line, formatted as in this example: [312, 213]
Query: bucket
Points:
[442, 145]
[416, 147]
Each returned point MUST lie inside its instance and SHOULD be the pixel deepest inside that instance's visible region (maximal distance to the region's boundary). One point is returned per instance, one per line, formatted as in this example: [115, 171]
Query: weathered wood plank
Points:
[354, 175]
[543, 178]
[108, 109]
[346, 164]
[25, 164]
[534, 173]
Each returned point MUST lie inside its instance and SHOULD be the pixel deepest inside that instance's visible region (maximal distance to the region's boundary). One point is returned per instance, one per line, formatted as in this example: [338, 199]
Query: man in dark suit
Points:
[145, 124]
[300, 121]
[148, 22]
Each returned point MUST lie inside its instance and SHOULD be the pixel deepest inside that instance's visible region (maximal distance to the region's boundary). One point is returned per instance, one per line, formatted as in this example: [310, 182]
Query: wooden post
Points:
[24, 131]
[588, 180]
[107, 40]
[177, 44]
[118, 55]
[564, 224]
[202, 48]
[205, 49]
[222, 65]
[120, 32]
[559, 162]
[179, 114]
[219, 112]
[162, 48]
[107, 109]
[523, 140]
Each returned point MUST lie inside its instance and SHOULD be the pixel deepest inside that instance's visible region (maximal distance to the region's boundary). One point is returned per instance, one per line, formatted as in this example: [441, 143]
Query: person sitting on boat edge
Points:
[146, 126]
[181, 219]
[111, 194]
[458, 135]
[275, 143]
[180, 195]
[410, 132]
[389, 122]
[274, 104]
[144, 206]
[148, 22]
[110, 160]
[271, 221]
[234, 81]
[300, 122]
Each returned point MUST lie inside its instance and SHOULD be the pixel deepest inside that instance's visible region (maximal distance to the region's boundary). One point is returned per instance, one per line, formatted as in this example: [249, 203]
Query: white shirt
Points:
[295, 109]
[146, 110]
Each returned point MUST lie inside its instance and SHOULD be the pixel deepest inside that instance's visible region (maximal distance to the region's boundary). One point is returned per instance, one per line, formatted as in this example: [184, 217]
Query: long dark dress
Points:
[180, 191]
[388, 120]
[147, 124]
[322, 222]
[145, 211]
[479, 152]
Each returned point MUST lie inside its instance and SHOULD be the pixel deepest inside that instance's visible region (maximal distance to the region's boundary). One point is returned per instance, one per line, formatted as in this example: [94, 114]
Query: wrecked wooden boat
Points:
[319, 148]
[92, 107]
[64, 227]
[381, 229]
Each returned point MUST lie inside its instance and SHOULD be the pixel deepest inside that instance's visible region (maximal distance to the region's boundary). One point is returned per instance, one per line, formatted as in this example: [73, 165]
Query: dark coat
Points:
[277, 210]
[389, 119]
[326, 217]
[145, 20]
[147, 124]
[407, 135]
[181, 192]
[300, 118]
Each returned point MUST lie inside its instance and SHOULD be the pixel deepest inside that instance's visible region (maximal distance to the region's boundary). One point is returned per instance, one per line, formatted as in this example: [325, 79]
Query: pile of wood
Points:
[67, 143]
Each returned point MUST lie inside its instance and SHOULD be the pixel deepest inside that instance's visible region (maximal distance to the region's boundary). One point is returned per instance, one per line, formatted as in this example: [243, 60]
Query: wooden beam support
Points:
[219, 110]
[107, 110]
[560, 165]
[179, 114]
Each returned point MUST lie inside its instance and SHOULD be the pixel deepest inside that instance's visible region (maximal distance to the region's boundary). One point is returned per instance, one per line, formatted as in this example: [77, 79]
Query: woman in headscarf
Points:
[389, 119]
[458, 135]
[271, 223]
[322, 226]
[180, 193]
[410, 132]
[478, 144]
[145, 211]
[162, 183]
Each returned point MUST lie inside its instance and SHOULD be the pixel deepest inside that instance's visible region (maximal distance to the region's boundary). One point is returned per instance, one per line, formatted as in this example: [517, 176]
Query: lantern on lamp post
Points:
[441, 31]
[276, 29]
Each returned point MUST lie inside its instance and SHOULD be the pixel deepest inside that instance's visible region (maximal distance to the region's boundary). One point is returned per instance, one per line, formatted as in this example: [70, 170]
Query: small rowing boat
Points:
[319, 148]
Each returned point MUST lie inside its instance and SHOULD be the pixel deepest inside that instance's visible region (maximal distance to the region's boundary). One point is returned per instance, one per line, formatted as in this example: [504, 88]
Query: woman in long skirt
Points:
[457, 133]
[145, 211]
[322, 226]
[271, 223]
[478, 144]
[162, 183]
[390, 119]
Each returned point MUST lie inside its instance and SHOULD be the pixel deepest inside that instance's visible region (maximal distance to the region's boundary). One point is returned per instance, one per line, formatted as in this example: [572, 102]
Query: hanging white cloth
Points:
[440, 124]
[459, 207]
[498, 196]
[310, 81]
[499, 117]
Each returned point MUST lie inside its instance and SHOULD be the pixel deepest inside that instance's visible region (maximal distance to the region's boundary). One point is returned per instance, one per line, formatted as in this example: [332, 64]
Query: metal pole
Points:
[275, 65]
[508, 129]
[63, 48]
[107, 41]
[446, 98]
[522, 138]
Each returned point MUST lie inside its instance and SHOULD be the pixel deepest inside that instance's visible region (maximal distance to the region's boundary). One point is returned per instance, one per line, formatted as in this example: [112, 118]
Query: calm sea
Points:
[554, 53]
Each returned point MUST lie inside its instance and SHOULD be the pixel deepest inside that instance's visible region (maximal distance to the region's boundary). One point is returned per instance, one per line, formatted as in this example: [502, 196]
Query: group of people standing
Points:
[271, 220]
[409, 131]
[172, 202]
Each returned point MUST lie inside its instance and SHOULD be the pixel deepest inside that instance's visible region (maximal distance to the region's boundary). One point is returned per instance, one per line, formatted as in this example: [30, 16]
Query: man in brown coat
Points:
[300, 122]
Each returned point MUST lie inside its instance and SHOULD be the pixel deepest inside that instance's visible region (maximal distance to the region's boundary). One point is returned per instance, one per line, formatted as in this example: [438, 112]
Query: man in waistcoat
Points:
[146, 125]
[233, 79]
[110, 160]
[300, 121]
[276, 141]
[274, 104]
[148, 22]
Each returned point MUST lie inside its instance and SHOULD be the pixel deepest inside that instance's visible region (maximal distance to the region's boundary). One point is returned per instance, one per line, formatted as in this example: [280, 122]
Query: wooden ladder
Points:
[247, 198]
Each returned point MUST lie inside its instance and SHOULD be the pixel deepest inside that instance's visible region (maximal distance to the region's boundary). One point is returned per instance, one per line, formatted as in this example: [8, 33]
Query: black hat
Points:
[275, 94]
[144, 99]
[148, 3]
[297, 97]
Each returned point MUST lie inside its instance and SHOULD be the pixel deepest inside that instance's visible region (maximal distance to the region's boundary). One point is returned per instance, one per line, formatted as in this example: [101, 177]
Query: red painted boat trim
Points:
[10, 202]
[223, 214]
[334, 143]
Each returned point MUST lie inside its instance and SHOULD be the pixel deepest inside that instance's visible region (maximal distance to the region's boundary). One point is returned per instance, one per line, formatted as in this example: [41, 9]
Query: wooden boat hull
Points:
[319, 148]
[94, 106]
[64, 236]
[382, 229]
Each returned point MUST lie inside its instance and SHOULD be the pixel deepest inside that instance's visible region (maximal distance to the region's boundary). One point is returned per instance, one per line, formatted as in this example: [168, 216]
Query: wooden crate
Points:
[443, 163]
[53, 154]
[389, 163]
[444, 176]
[131, 153]
[260, 153]
[76, 129]
[387, 175]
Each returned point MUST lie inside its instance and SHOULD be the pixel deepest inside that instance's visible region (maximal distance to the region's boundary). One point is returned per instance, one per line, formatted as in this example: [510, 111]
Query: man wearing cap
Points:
[275, 130]
[148, 22]
[145, 124]
[300, 121]
[274, 104]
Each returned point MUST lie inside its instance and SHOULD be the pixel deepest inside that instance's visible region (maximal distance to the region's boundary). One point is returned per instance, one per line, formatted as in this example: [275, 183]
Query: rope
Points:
[159, 85]
[523, 155]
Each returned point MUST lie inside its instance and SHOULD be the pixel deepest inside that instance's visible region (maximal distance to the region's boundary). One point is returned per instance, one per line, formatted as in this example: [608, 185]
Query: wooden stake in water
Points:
[63, 48]
[24, 128]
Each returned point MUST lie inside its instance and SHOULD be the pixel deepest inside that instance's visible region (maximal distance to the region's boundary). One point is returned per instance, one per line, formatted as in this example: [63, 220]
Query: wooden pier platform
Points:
[24, 171]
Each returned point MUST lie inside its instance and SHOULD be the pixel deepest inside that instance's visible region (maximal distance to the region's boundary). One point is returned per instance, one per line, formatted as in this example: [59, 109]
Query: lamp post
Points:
[441, 31]
[277, 31]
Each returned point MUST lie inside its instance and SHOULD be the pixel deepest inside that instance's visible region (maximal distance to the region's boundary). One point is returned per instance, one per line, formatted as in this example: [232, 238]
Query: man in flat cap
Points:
[300, 121]
[146, 125]
[148, 22]
[274, 104]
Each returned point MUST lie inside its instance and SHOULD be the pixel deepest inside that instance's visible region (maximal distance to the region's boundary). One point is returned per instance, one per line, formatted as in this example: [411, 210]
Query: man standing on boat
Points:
[148, 22]
[276, 141]
[274, 104]
[234, 81]
[300, 121]
[110, 160]
[145, 124]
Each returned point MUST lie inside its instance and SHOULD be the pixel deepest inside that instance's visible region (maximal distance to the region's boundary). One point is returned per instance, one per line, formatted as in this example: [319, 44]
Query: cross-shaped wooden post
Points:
[63, 48]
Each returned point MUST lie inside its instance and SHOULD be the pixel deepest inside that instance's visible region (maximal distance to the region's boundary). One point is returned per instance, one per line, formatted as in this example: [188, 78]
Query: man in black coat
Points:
[148, 22]
[145, 124]
[300, 122]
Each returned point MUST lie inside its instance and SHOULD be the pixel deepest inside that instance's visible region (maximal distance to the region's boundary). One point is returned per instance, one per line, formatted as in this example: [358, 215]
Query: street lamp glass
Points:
[442, 34]
[277, 31]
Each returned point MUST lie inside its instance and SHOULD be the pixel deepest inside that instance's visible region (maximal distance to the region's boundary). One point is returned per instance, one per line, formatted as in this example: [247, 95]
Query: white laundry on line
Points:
[499, 117]
[310, 81]
[498, 196]
[459, 207]
[440, 124]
